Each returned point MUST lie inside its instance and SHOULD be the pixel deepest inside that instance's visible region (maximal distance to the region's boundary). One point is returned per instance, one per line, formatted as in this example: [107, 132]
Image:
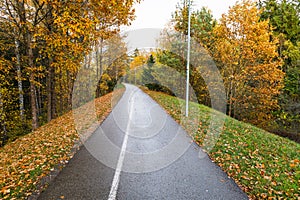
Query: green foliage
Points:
[177, 63]
[11, 125]
[203, 27]
[175, 48]
[284, 18]
[173, 60]
[147, 77]
[173, 40]
[288, 121]
[292, 87]
[202, 23]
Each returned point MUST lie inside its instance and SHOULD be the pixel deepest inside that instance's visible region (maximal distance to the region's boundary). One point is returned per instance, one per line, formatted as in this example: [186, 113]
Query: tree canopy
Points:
[43, 45]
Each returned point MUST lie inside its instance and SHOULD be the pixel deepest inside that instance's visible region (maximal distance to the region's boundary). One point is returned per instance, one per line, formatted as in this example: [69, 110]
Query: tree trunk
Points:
[230, 98]
[33, 102]
[19, 77]
[70, 83]
[38, 100]
[61, 93]
[34, 109]
[99, 58]
[2, 123]
[49, 93]
[97, 62]
[53, 96]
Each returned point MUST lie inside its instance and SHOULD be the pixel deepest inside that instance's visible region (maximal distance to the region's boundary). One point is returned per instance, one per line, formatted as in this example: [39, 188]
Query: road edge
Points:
[48, 179]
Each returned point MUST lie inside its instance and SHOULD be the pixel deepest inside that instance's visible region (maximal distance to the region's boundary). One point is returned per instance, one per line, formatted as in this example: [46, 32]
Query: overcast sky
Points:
[153, 15]
[156, 13]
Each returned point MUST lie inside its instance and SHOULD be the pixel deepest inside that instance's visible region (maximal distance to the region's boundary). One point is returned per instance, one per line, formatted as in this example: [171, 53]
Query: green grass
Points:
[264, 165]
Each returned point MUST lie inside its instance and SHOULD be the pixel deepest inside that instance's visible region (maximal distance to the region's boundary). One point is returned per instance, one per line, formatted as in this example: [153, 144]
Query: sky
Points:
[153, 15]
[156, 13]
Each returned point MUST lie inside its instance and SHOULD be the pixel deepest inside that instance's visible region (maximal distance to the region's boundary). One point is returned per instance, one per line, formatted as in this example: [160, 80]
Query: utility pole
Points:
[188, 62]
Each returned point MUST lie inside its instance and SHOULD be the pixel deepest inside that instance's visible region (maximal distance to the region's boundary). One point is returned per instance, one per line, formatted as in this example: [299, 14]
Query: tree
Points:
[249, 64]
[4, 100]
[147, 77]
[46, 42]
[11, 123]
[114, 61]
[203, 27]
[283, 16]
[285, 21]
[289, 115]
[173, 41]
[138, 61]
[202, 23]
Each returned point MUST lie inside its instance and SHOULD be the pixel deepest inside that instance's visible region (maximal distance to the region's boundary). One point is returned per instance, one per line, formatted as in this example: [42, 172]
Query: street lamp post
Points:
[188, 62]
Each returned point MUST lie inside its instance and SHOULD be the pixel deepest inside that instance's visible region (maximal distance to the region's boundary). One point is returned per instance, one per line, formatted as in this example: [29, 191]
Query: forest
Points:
[256, 49]
[45, 43]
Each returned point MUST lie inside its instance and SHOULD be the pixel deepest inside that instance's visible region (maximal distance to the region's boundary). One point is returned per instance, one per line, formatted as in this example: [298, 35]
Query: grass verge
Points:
[264, 165]
[27, 160]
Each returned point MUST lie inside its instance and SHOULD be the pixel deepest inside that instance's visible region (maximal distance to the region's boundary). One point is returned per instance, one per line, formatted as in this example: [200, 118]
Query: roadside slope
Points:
[27, 160]
[263, 164]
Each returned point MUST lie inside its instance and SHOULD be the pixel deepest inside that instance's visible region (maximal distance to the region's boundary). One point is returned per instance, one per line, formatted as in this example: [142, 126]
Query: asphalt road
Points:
[139, 152]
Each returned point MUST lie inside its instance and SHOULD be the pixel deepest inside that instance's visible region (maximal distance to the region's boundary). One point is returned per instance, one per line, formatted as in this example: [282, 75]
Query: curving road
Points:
[139, 152]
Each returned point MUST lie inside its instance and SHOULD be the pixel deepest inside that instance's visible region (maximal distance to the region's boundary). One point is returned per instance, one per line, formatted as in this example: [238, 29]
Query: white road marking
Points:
[116, 180]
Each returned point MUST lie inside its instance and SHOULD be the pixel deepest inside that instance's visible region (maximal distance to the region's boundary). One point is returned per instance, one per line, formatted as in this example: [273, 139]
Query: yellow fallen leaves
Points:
[28, 159]
[264, 165]
[294, 163]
